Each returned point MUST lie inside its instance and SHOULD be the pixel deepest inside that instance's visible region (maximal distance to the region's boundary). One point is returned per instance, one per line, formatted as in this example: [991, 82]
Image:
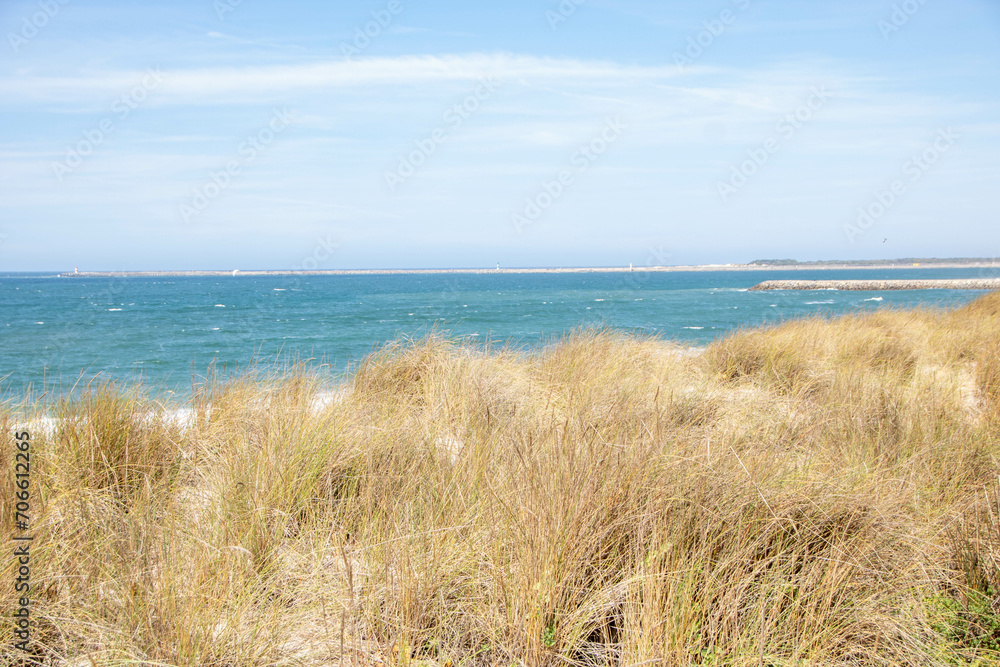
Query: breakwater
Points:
[878, 285]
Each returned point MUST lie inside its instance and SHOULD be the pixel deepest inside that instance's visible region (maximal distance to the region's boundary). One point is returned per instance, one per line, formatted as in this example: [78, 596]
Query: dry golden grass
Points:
[821, 493]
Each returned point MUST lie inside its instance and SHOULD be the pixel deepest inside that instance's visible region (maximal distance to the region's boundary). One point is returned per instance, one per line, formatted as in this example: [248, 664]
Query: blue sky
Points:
[249, 134]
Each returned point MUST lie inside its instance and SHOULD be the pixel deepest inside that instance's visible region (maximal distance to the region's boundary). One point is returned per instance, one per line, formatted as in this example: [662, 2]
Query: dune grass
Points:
[824, 492]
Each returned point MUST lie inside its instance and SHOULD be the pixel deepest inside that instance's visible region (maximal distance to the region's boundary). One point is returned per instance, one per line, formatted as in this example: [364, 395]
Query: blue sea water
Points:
[168, 331]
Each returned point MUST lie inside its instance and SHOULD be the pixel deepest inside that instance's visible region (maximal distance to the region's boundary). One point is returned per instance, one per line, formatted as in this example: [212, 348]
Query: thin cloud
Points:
[233, 84]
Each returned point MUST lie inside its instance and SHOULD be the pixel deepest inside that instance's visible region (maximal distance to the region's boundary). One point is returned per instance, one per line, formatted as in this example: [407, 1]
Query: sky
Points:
[222, 134]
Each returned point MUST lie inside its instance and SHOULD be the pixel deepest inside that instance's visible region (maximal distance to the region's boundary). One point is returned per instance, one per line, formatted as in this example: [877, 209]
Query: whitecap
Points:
[874, 298]
[692, 327]
[817, 303]
[279, 289]
[598, 299]
[219, 305]
[112, 310]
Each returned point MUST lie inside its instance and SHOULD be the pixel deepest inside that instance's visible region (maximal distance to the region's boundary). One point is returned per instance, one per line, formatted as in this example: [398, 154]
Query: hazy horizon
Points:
[971, 261]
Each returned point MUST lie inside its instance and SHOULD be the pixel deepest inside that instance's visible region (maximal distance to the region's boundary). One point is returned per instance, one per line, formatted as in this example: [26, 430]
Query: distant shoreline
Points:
[803, 266]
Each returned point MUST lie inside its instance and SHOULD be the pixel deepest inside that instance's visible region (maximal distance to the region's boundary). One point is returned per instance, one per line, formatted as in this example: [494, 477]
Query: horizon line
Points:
[759, 264]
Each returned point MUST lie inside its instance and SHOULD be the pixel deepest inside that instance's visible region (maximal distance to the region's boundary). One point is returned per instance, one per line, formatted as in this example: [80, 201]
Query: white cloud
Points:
[234, 84]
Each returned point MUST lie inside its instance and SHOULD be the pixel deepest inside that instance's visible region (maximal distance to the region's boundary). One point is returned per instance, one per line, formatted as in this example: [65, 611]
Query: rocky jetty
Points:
[877, 285]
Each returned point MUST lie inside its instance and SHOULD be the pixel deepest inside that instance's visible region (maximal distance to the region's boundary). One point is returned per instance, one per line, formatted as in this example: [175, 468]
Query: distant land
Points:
[756, 265]
[907, 262]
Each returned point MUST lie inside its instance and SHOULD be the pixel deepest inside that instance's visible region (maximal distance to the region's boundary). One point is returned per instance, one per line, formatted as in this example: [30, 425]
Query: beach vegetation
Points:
[820, 492]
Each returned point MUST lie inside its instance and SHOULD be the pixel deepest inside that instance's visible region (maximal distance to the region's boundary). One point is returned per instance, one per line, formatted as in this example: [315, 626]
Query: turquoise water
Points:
[167, 331]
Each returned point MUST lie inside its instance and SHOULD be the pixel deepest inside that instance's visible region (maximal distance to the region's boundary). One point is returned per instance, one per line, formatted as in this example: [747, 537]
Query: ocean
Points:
[167, 332]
